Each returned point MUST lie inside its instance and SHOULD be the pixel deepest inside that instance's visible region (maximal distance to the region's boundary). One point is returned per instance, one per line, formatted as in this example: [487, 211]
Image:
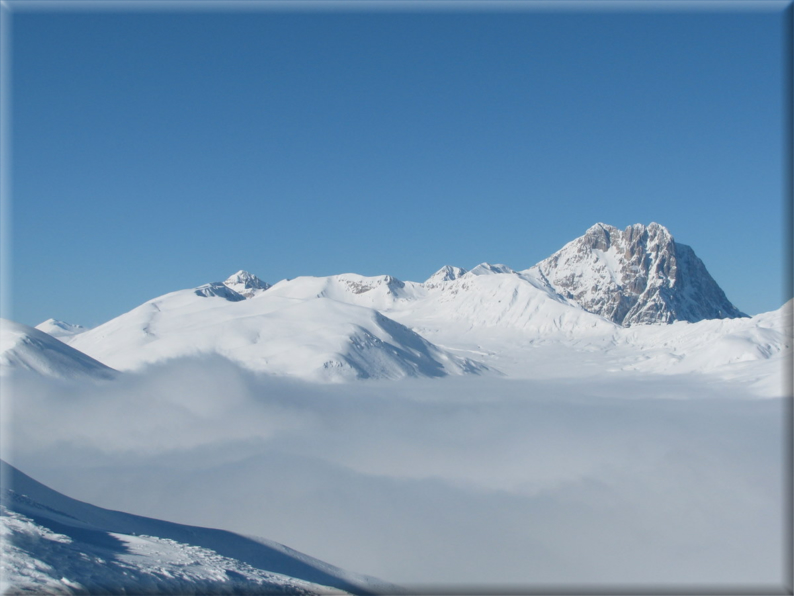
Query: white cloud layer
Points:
[455, 481]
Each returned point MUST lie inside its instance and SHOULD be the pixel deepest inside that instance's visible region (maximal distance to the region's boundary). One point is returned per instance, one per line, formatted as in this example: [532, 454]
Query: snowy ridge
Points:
[59, 329]
[446, 273]
[24, 348]
[53, 544]
[488, 269]
[220, 290]
[316, 337]
[502, 301]
[246, 284]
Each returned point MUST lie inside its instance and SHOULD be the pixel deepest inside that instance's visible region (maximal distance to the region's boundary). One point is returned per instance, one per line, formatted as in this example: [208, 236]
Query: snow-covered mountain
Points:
[316, 337]
[639, 275]
[246, 284]
[26, 348]
[53, 544]
[59, 329]
[446, 273]
[583, 298]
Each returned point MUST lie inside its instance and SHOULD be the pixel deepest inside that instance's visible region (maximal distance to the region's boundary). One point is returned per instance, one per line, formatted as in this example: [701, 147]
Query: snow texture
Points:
[56, 545]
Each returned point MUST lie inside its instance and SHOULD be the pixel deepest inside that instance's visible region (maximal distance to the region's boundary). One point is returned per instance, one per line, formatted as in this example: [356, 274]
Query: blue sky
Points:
[155, 151]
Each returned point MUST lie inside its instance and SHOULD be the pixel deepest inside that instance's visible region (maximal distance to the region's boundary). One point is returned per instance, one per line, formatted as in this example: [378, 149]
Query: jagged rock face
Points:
[639, 275]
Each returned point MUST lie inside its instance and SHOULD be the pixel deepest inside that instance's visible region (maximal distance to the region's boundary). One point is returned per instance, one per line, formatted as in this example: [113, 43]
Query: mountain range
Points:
[635, 297]
[612, 302]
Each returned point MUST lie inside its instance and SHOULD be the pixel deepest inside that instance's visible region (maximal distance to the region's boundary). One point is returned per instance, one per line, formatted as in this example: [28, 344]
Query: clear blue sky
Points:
[155, 151]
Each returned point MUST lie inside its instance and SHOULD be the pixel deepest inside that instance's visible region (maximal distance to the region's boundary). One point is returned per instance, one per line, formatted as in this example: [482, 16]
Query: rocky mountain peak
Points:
[639, 275]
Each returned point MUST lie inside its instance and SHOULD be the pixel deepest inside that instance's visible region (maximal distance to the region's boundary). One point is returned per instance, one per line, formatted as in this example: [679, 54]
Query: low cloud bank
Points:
[448, 481]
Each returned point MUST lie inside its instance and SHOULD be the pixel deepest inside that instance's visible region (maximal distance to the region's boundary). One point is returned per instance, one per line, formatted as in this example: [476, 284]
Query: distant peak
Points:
[489, 269]
[639, 275]
[242, 275]
[60, 329]
[658, 229]
[601, 227]
[446, 273]
[246, 284]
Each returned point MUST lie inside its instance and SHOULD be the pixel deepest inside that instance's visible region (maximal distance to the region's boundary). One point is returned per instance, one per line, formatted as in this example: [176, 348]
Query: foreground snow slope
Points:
[53, 544]
[317, 338]
[26, 348]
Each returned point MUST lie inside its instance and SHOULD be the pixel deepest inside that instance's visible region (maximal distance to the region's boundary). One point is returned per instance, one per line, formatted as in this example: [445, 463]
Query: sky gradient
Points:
[155, 151]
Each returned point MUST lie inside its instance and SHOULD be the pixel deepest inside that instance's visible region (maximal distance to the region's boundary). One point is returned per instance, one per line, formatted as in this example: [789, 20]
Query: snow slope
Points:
[316, 338]
[59, 329]
[53, 544]
[26, 348]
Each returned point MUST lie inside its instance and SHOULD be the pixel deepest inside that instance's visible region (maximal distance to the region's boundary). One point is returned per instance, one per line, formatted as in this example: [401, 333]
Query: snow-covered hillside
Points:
[318, 338]
[52, 544]
[59, 329]
[26, 348]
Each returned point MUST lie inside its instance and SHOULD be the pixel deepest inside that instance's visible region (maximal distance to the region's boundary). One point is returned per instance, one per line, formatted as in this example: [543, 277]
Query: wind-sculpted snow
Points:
[56, 545]
[24, 348]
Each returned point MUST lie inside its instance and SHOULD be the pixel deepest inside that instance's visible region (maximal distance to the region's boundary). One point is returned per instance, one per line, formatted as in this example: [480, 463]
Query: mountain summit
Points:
[639, 275]
[246, 284]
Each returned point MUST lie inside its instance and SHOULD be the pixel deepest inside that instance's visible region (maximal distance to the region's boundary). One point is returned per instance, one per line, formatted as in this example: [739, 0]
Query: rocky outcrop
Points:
[639, 275]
